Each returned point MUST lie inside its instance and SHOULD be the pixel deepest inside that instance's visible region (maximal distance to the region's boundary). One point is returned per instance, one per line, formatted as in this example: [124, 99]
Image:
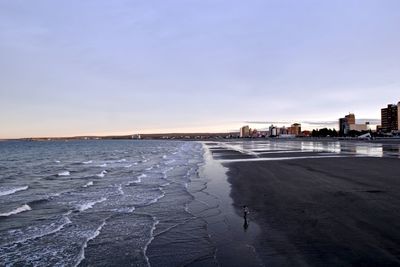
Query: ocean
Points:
[103, 203]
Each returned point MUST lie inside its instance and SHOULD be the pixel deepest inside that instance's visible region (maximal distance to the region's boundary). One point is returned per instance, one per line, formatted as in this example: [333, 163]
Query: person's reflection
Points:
[245, 224]
[245, 214]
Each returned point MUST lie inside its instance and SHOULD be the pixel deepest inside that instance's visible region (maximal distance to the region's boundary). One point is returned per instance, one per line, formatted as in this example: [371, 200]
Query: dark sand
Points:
[322, 212]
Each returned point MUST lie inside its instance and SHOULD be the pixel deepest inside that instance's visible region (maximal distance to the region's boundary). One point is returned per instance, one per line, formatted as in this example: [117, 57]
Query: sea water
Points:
[103, 203]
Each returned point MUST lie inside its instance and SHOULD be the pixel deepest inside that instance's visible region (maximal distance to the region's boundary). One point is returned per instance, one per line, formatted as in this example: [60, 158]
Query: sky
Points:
[73, 67]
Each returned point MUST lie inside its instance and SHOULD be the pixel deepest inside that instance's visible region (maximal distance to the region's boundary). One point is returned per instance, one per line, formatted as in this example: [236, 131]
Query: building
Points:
[390, 118]
[295, 129]
[254, 133]
[348, 123]
[343, 127]
[244, 131]
[351, 118]
[344, 124]
[283, 130]
[273, 131]
[359, 127]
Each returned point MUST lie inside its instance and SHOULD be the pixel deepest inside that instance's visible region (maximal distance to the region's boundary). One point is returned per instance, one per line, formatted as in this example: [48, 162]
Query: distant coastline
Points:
[161, 136]
[199, 137]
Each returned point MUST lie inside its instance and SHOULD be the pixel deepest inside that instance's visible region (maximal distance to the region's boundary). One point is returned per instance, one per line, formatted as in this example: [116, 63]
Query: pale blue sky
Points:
[105, 67]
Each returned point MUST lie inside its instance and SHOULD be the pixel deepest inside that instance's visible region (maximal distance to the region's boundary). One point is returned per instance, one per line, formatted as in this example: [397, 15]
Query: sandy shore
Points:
[322, 212]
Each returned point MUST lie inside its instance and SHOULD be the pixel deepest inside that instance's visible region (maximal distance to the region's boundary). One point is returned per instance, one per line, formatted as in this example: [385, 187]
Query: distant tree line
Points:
[324, 132]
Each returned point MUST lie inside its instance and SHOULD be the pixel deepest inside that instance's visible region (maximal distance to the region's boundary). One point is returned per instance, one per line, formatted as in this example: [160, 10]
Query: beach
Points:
[322, 209]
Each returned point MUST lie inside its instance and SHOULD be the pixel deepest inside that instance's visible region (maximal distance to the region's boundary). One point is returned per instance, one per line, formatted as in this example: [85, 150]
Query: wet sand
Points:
[233, 241]
[322, 212]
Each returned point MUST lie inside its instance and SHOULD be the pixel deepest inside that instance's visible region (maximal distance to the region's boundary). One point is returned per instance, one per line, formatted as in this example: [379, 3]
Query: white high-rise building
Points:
[245, 131]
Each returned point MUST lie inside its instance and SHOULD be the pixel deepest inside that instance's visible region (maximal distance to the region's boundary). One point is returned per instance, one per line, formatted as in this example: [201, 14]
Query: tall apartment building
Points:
[390, 118]
[344, 124]
[295, 129]
[351, 118]
[348, 123]
[273, 131]
[245, 131]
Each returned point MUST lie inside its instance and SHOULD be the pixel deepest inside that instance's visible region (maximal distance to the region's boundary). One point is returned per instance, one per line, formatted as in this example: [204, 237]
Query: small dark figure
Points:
[245, 213]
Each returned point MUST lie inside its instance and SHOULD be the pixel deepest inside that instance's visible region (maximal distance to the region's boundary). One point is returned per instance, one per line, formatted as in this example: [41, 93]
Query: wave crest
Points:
[23, 208]
[5, 192]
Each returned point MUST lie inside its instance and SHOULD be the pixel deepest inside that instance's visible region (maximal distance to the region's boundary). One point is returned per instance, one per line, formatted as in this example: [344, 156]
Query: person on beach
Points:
[245, 213]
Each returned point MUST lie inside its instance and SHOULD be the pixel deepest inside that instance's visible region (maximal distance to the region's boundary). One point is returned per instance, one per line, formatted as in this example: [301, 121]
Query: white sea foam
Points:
[89, 205]
[165, 172]
[102, 174]
[55, 194]
[153, 228]
[88, 184]
[81, 255]
[157, 198]
[164, 157]
[9, 191]
[125, 210]
[42, 231]
[121, 160]
[139, 180]
[55, 230]
[149, 168]
[88, 162]
[64, 173]
[131, 209]
[121, 192]
[57, 161]
[128, 166]
[103, 165]
[23, 208]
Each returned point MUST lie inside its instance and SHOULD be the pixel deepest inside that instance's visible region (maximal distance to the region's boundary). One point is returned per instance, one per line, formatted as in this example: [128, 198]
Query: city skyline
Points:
[99, 68]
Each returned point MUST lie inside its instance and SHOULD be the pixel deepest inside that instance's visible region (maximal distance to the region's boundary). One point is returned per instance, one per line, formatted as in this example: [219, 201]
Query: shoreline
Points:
[233, 241]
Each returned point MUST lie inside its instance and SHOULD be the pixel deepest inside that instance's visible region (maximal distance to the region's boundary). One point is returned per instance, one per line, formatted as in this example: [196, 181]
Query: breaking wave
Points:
[89, 205]
[102, 174]
[16, 211]
[5, 192]
[88, 184]
[65, 173]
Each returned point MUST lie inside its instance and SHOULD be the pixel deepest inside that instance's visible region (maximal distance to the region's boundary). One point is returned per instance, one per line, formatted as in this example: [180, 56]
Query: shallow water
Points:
[264, 150]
